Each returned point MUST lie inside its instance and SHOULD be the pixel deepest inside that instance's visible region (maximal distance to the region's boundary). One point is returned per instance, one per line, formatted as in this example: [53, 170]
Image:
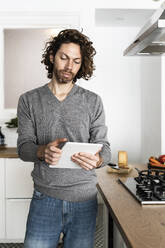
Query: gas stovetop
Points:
[148, 187]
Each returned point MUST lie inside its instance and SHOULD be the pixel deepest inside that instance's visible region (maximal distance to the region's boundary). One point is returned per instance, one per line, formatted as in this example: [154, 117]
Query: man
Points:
[64, 200]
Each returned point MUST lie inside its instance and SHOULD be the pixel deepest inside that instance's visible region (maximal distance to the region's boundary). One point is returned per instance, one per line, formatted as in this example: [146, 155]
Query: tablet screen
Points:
[71, 148]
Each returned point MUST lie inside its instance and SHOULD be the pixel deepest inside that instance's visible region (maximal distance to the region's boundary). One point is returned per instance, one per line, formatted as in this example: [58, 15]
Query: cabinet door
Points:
[16, 217]
[18, 178]
[2, 198]
[118, 241]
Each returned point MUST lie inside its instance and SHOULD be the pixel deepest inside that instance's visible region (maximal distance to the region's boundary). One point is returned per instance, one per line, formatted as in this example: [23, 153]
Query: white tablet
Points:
[71, 148]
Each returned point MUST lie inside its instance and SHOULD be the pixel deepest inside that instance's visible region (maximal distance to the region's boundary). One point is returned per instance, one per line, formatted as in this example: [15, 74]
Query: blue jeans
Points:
[48, 217]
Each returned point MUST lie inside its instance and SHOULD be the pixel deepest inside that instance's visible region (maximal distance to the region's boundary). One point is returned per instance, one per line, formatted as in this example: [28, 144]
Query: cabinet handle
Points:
[18, 199]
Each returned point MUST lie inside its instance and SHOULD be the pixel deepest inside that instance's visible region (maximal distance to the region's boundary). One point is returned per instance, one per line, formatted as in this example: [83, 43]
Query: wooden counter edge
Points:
[114, 217]
[9, 152]
[110, 209]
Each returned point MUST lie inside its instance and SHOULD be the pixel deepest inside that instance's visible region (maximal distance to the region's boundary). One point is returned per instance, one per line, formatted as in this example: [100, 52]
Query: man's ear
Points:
[51, 57]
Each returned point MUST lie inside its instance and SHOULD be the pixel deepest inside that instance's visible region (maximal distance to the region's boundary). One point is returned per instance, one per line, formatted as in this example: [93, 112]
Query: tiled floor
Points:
[11, 245]
[18, 245]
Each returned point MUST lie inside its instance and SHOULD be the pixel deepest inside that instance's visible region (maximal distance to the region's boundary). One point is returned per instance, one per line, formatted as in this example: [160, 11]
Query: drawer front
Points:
[16, 217]
[19, 182]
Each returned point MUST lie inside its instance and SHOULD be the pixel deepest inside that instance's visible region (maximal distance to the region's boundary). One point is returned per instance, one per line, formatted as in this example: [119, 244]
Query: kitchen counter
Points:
[140, 226]
[8, 152]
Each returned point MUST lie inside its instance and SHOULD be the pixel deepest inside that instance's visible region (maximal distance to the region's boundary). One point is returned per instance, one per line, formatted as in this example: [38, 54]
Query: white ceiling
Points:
[122, 17]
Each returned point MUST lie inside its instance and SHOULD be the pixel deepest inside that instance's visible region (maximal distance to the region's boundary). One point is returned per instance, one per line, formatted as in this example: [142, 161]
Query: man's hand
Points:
[87, 161]
[50, 152]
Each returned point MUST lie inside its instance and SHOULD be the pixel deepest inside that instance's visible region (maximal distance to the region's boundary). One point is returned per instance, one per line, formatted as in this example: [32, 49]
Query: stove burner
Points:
[148, 187]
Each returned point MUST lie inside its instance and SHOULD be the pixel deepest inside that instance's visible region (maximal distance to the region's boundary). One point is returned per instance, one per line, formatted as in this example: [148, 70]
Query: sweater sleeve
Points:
[27, 140]
[98, 131]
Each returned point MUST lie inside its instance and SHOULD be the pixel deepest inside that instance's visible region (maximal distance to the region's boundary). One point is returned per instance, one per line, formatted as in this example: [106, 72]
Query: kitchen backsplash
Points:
[11, 136]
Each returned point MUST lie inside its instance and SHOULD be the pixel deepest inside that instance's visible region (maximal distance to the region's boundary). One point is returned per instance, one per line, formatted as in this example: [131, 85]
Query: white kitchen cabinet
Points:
[19, 189]
[16, 216]
[18, 178]
[16, 189]
[2, 198]
[108, 17]
[118, 241]
[129, 4]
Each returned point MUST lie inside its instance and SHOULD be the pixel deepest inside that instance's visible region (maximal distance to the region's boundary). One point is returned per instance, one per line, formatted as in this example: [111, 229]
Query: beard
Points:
[64, 76]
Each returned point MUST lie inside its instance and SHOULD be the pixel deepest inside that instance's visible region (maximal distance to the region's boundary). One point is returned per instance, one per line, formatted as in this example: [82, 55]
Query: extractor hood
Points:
[151, 38]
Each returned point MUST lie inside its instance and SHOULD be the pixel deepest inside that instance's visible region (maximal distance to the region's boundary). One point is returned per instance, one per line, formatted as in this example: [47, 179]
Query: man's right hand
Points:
[50, 152]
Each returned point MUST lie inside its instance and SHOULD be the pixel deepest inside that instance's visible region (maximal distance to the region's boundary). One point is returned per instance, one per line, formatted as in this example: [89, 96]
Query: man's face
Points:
[67, 62]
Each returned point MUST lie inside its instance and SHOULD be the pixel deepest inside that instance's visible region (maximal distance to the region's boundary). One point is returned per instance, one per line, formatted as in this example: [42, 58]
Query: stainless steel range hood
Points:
[151, 39]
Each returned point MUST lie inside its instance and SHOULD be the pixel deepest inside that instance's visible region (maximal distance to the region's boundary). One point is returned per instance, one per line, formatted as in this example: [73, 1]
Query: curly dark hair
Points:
[86, 48]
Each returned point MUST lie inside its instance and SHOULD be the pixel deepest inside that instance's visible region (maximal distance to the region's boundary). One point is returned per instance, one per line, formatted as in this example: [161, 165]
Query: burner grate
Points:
[141, 192]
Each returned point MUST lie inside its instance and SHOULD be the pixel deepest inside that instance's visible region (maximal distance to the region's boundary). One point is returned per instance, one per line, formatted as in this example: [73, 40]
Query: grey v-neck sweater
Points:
[42, 118]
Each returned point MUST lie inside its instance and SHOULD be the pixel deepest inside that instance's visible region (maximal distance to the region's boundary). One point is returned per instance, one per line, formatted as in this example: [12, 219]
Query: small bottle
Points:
[122, 159]
[2, 138]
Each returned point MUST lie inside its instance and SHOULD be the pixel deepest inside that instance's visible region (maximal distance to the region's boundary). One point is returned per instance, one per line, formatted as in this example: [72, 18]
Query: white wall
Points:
[118, 77]
[162, 105]
[117, 80]
[150, 107]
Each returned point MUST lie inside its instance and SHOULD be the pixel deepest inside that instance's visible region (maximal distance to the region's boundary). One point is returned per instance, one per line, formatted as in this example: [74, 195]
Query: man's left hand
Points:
[86, 160]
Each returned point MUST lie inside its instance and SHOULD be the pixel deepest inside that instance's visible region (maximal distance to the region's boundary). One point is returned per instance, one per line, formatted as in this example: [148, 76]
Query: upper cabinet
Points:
[128, 4]
[125, 13]
[107, 17]
[23, 35]
[77, 5]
